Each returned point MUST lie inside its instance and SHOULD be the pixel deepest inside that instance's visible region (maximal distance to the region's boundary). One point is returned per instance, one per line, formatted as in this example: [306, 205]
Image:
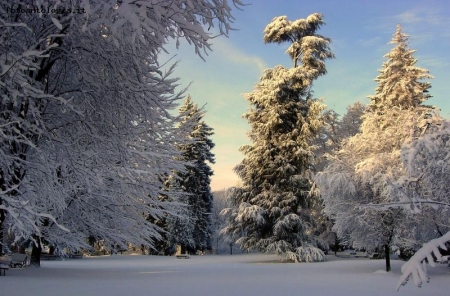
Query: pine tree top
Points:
[307, 47]
[400, 82]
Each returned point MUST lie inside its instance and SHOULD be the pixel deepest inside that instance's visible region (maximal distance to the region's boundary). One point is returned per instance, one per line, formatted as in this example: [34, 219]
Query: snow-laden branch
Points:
[416, 266]
[408, 205]
[86, 132]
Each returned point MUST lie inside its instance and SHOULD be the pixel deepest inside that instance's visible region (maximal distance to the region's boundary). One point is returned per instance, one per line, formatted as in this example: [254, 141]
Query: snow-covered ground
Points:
[248, 275]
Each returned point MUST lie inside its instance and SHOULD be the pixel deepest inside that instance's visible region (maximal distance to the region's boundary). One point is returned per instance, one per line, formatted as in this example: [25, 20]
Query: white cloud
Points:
[226, 49]
[420, 16]
[409, 17]
[375, 41]
[428, 21]
[416, 19]
[433, 62]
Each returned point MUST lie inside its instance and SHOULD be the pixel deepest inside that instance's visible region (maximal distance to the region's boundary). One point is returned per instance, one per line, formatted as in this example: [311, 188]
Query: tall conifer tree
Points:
[277, 192]
[193, 229]
[400, 82]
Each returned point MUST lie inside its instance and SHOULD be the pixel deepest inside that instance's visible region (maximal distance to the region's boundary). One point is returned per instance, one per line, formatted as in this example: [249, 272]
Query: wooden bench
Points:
[351, 254]
[50, 257]
[18, 260]
[361, 255]
[76, 256]
[5, 260]
[374, 256]
[4, 268]
[343, 254]
[444, 260]
[182, 256]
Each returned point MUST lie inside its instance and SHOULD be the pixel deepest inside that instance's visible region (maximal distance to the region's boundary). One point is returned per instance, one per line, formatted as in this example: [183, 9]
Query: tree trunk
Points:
[36, 253]
[2, 218]
[336, 243]
[388, 259]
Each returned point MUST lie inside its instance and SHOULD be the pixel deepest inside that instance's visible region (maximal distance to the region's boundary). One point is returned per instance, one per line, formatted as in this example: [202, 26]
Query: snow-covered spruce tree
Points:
[274, 201]
[85, 128]
[400, 82]
[362, 171]
[193, 232]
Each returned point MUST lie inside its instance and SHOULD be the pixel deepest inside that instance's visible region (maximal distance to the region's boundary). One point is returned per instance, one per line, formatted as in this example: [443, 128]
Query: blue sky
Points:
[360, 31]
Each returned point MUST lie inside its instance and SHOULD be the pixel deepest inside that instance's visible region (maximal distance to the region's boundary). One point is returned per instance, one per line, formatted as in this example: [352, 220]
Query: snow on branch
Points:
[416, 266]
[415, 205]
[309, 253]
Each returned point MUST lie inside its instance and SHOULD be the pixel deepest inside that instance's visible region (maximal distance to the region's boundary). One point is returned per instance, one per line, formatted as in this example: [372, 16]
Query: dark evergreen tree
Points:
[192, 229]
[277, 194]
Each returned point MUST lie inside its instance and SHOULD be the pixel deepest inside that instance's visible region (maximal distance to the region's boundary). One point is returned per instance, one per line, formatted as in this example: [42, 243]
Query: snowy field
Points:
[248, 275]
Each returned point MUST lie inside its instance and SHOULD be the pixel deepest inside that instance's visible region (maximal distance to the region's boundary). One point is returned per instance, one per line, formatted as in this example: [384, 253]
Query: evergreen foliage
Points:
[192, 229]
[273, 203]
[363, 170]
[351, 121]
[334, 131]
[400, 82]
